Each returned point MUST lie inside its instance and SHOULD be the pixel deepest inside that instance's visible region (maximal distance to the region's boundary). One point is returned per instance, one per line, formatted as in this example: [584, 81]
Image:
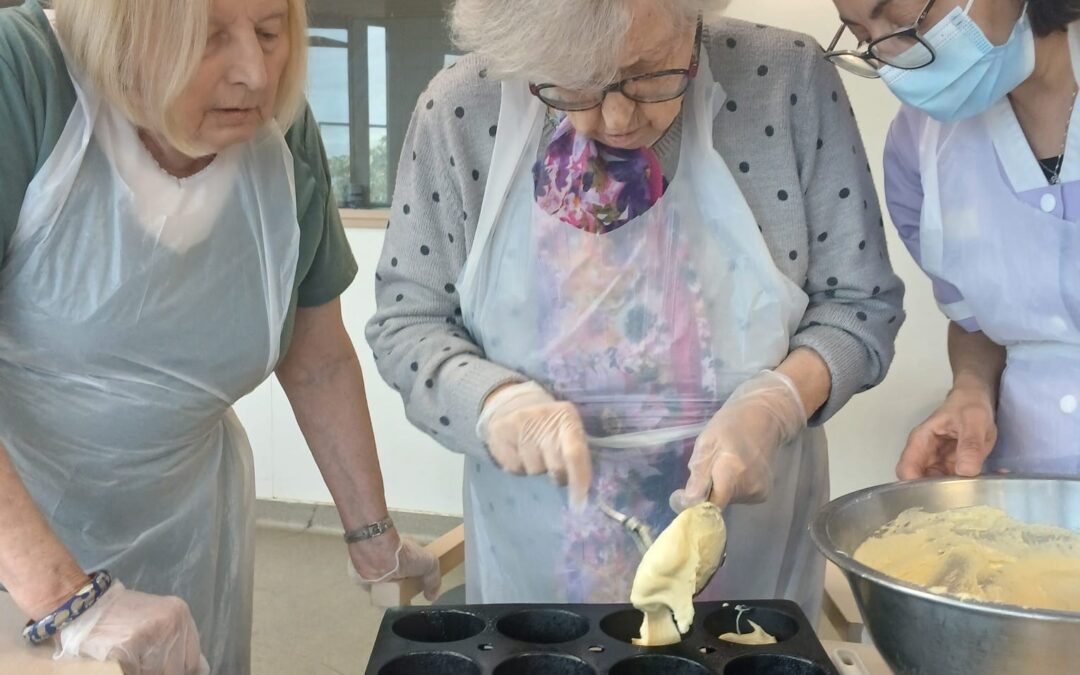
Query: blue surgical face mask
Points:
[969, 73]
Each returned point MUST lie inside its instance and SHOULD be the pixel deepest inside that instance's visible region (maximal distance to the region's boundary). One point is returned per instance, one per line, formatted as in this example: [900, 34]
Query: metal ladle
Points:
[638, 530]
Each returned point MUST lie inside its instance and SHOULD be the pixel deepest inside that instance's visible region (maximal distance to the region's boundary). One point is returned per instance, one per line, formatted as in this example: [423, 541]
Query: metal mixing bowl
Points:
[918, 632]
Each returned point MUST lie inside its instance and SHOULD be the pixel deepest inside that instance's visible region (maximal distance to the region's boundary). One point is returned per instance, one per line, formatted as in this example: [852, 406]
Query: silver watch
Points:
[369, 531]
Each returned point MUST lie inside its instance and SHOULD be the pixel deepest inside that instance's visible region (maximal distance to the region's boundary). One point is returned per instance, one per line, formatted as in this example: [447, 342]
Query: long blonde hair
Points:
[141, 54]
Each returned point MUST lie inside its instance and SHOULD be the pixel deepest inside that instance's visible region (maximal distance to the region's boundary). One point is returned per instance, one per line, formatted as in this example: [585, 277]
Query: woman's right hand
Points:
[530, 433]
[955, 440]
[146, 634]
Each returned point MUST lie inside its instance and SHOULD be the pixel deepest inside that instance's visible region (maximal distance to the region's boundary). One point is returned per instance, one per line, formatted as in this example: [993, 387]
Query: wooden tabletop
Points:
[856, 659]
[18, 657]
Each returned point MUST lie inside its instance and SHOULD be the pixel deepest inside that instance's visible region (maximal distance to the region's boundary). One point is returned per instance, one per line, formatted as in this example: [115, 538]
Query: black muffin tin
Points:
[588, 640]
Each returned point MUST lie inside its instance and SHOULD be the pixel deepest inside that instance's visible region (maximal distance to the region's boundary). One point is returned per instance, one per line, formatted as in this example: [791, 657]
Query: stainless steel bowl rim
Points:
[820, 534]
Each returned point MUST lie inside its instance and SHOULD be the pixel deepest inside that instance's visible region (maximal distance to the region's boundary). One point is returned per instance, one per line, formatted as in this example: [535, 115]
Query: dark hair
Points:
[1051, 16]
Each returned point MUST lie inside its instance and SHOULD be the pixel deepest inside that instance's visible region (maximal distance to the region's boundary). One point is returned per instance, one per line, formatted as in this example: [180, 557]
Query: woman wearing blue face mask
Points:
[982, 170]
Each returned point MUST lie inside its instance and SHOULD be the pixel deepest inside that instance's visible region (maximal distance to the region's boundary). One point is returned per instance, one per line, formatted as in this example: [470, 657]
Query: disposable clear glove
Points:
[411, 560]
[529, 433]
[734, 457]
[146, 634]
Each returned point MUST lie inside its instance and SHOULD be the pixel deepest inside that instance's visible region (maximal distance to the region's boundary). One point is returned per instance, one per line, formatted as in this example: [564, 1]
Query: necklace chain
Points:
[1056, 177]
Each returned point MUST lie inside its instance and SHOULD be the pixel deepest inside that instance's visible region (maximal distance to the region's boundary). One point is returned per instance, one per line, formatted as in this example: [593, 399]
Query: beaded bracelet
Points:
[37, 632]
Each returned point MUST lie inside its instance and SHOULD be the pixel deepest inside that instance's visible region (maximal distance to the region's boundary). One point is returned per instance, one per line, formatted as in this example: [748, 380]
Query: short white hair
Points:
[141, 55]
[574, 43]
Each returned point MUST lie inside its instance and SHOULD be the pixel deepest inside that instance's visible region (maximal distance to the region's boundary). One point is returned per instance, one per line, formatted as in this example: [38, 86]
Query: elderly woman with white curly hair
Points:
[635, 251]
[170, 240]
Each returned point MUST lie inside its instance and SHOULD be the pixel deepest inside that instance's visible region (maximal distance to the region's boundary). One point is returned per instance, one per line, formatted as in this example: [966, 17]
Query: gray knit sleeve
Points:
[419, 341]
[855, 298]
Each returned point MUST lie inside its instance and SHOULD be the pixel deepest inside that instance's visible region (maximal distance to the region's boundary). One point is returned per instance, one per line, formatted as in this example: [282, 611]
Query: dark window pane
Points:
[369, 62]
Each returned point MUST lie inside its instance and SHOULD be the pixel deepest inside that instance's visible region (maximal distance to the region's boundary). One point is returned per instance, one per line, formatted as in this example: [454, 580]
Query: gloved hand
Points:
[411, 560]
[954, 441]
[530, 433]
[146, 634]
[734, 456]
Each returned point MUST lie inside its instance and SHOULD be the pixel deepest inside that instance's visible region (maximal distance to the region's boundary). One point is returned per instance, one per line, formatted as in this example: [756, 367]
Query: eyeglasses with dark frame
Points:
[910, 50]
[655, 87]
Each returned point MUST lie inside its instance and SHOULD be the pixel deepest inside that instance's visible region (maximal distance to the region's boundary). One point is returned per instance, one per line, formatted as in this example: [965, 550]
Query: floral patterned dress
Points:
[638, 355]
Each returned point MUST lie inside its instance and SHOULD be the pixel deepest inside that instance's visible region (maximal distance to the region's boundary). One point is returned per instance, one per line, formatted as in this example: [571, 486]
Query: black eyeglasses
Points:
[904, 49]
[657, 87]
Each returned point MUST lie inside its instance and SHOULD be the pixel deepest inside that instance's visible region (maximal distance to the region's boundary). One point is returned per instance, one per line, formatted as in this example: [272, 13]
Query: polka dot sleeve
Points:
[855, 298]
[418, 337]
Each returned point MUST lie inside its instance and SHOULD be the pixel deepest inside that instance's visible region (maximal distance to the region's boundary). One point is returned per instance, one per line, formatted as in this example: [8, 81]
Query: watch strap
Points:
[369, 531]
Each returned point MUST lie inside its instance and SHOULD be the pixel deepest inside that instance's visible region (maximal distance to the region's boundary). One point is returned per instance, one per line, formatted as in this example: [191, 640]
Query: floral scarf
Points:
[594, 187]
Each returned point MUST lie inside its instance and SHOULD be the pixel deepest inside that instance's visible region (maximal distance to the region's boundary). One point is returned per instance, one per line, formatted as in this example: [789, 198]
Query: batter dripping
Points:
[756, 636]
[674, 570]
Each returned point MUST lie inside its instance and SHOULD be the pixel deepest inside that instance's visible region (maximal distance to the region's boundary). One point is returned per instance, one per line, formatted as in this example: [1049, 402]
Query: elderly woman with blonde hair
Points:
[170, 240]
[635, 250]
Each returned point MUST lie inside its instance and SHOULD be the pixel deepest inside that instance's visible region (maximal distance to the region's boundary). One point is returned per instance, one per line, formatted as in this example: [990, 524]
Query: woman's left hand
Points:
[371, 564]
[733, 458]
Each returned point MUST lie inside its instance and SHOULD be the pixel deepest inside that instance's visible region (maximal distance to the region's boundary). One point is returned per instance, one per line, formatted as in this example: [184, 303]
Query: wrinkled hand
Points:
[146, 634]
[734, 456]
[410, 560]
[954, 441]
[530, 433]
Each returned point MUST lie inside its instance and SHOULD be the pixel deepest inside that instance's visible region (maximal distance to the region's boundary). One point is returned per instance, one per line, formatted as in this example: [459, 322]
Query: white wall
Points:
[420, 475]
[865, 438]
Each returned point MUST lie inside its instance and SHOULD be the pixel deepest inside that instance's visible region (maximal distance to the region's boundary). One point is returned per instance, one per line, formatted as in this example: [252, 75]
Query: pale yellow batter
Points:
[757, 636]
[980, 553]
[674, 570]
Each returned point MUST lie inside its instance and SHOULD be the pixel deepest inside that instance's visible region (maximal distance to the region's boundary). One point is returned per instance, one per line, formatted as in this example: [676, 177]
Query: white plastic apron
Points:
[1018, 269]
[524, 545]
[135, 308]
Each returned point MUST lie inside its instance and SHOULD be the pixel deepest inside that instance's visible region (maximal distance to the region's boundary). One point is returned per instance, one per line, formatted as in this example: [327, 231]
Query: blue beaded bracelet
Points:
[37, 632]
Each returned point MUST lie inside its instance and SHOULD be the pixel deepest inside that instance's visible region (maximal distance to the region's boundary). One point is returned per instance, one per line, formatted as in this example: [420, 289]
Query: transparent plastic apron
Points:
[134, 310]
[524, 545]
[1018, 269]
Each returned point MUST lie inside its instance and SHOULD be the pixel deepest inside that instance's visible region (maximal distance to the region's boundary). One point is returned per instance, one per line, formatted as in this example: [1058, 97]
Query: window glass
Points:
[370, 60]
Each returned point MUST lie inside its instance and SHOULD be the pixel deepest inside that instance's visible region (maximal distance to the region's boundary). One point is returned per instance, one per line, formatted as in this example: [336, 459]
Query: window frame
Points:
[364, 219]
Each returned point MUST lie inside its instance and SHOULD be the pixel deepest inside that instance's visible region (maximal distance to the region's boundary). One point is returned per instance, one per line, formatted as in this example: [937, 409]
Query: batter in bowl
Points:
[980, 553]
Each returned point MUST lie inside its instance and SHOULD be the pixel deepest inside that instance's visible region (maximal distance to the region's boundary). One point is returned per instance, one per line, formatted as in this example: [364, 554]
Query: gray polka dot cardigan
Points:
[790, 138]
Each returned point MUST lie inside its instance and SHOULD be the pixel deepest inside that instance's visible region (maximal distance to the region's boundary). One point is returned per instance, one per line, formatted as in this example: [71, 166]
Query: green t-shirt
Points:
[36, 99]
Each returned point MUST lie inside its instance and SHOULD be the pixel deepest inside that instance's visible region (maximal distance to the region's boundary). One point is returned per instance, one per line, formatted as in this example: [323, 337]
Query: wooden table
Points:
[18, 657]
[856, 659]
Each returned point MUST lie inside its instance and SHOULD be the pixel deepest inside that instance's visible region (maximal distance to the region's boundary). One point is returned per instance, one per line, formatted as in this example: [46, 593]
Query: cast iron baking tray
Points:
[590, 640]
